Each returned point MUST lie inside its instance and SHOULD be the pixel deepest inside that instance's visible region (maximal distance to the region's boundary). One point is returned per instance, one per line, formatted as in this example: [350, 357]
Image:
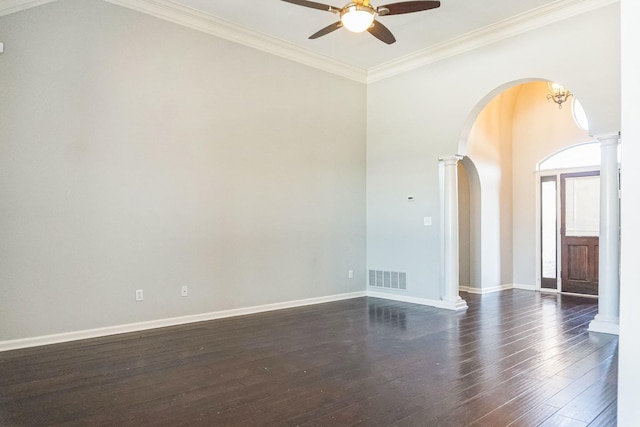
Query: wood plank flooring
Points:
[514, 358]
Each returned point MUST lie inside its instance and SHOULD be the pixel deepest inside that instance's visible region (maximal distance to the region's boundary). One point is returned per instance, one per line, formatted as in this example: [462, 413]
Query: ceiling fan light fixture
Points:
[357, 18]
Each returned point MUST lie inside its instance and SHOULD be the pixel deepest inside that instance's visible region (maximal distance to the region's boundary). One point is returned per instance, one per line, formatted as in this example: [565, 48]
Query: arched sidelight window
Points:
[577, 156]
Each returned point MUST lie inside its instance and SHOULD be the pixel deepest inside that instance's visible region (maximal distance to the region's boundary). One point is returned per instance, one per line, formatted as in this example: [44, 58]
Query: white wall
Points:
[418, 116]
[629, 354]
[135, 153]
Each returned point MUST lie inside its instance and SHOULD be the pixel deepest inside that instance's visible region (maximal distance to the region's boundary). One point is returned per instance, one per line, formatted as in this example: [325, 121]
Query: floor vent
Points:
[388, 279]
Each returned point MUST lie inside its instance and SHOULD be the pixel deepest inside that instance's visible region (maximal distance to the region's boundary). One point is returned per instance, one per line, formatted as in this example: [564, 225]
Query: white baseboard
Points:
[489, 290]
[161, 323]
[611, 327]
[447, 305]
[174, 321]
[525, 287]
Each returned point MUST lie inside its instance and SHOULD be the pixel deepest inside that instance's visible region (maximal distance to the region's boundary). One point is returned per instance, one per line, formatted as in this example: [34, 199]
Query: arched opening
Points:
[511, 131]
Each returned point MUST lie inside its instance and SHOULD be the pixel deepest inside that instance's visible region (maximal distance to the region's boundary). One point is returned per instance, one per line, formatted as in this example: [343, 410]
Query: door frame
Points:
[538, 257]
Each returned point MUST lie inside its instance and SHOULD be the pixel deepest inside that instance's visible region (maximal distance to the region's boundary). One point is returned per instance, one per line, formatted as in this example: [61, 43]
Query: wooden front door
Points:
[579, 231]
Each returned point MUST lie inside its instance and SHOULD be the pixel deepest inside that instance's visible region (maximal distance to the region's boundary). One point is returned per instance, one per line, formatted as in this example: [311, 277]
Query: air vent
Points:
[388, 279]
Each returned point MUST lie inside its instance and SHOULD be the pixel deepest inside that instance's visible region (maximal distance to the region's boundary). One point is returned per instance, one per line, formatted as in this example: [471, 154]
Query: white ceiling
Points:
[414, 32]
[283, 29]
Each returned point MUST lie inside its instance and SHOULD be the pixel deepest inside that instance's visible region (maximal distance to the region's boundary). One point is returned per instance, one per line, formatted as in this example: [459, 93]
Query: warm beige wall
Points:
[135, 153]
[490, 149]
[540, 128]
[464, 226]
[516, 130]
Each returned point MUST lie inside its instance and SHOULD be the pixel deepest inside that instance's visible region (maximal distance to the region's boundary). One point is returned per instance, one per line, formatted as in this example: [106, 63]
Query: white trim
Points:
[604, 326]
[161, 323]
[415, 300]
[179, 14]
[502, 30]
[524, 287]
[500, 288]
[562, 171]
[8, 7]
[538, 240]
[558, 292]
[575, 294]
[482, 291]
[209, 24]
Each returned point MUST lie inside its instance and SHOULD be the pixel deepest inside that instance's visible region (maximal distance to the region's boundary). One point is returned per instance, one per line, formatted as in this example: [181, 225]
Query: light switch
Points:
[428, 221]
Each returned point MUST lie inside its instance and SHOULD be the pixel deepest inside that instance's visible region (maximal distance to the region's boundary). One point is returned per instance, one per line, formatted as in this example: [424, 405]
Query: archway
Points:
[508, 133]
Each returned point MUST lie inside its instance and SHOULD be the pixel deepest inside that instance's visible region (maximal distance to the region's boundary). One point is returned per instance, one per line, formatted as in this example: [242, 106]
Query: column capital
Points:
[451, 159]
[608, 139]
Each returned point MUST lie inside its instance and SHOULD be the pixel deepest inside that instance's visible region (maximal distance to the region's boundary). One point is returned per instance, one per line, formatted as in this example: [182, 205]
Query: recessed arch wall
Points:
[510, 135]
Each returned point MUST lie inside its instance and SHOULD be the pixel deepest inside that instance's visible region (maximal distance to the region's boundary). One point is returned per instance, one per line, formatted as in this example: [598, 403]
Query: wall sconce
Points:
[558, 93]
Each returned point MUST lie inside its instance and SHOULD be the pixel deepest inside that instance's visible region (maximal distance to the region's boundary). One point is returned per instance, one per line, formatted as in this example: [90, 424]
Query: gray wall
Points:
[420, 115]
[135, 153]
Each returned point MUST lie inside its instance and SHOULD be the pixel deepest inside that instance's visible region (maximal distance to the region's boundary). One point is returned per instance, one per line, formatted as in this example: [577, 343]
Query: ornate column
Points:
[451, 298]
[607, 319]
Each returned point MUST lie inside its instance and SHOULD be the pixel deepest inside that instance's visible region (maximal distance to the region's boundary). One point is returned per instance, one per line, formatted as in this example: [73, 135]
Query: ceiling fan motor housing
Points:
[358, 16]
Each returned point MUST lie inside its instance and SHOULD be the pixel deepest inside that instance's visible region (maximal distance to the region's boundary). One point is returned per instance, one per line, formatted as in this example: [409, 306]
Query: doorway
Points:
[579, 231]
[569, 231]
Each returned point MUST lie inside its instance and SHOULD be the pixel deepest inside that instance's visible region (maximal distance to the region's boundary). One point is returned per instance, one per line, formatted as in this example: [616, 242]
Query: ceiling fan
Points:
[359, 16]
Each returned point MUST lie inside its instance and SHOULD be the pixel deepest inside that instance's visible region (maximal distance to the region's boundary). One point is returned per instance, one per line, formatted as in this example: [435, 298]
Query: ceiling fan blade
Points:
[407, 7]
[381, 32]
[326, 30]
[314, 5]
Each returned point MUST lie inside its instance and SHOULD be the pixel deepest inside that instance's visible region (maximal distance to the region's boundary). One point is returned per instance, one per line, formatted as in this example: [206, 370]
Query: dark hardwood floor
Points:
[514, 358]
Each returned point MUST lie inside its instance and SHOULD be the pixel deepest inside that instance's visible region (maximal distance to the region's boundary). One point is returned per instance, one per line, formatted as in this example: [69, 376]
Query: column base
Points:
[604, 326]
[456, 305]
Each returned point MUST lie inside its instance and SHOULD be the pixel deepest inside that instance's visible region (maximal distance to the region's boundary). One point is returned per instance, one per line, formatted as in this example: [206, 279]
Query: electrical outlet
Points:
[350, 274]
[139, 295]
[185, 291]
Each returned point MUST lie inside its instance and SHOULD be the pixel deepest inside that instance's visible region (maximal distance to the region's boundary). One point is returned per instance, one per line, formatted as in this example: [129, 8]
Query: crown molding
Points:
[191, 18]
[12, 6]
[179, 14]
[510, 27]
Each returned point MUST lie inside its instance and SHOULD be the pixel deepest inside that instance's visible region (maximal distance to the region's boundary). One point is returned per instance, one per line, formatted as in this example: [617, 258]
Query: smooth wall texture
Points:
[138, 154]
[629, 355]
[420, 115]
[516, 130]
[464, 226]
[540, 129]
[489, 147]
